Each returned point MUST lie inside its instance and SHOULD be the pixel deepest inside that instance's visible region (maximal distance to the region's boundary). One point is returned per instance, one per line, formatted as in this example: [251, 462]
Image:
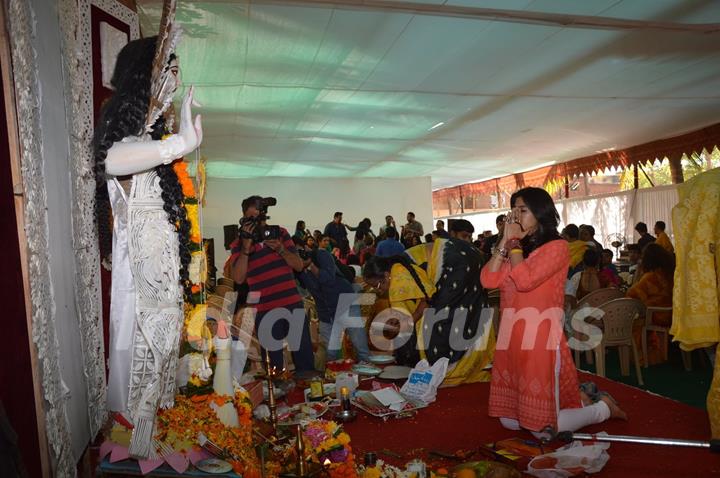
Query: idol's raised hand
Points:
[190, 132]
[134, 155]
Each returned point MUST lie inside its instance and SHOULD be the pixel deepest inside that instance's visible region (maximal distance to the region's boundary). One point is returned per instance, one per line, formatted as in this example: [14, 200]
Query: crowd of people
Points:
[387, 242]
[650, 266]
[413, 276]
[327, 265]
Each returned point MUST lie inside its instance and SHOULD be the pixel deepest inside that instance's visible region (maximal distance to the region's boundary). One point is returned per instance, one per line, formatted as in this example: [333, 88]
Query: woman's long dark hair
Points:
[376, 267]
[543, 208]
[124, 115]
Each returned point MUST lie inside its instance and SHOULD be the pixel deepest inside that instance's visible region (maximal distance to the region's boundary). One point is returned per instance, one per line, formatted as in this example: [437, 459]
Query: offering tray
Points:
[370, 405]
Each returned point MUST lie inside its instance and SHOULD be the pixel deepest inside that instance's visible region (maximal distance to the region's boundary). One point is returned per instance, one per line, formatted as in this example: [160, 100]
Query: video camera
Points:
[261, 232]
[305, 255]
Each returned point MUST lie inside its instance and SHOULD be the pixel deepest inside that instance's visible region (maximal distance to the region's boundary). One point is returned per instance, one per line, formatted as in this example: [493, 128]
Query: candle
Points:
[345, 398]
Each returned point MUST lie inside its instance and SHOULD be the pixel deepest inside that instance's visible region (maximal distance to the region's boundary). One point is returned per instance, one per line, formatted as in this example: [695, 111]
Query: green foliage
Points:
[660, 174]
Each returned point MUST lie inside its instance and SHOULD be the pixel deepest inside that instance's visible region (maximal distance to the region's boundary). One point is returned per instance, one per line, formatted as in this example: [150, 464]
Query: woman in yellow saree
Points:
[696, 295]
[438, 285]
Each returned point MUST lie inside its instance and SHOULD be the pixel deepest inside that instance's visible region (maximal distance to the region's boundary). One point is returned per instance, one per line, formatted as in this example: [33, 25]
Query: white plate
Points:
[395, 372]
[381, 359]
[214, 466]
[366, 370]
[303, 411]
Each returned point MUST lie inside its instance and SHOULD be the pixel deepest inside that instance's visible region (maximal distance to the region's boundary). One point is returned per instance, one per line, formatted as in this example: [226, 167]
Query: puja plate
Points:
[366, 370]
[381, 359]
[301, 412]
[214, 466]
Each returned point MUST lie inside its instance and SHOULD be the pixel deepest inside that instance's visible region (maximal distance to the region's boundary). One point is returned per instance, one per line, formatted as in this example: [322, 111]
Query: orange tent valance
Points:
[673, 148]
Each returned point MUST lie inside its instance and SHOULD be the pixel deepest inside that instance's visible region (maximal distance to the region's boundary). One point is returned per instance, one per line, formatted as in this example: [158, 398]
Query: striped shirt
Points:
[269, 275]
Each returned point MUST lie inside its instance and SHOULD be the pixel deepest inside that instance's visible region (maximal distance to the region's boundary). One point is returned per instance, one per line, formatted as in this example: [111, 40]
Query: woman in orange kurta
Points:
[534, 381]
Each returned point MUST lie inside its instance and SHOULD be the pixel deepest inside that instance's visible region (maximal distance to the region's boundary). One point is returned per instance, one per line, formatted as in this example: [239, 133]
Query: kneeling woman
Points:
[534, 380]
[454, 327]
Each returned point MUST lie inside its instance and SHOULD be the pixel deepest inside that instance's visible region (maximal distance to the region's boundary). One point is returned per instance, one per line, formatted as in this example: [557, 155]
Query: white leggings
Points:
[569, 419]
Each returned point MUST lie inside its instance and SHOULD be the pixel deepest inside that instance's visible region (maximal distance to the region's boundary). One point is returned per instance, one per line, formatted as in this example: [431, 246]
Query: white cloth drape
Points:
[122, 305]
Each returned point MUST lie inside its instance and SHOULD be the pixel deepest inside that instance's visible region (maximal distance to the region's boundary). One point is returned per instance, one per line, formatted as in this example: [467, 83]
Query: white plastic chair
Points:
[618, 318]
[594, 299]
[598, 297]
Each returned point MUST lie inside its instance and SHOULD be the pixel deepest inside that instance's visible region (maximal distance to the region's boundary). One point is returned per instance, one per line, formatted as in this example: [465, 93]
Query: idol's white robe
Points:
[146, 314]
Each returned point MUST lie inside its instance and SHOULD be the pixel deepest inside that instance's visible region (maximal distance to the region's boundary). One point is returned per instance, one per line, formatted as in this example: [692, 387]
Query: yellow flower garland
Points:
[194, 218]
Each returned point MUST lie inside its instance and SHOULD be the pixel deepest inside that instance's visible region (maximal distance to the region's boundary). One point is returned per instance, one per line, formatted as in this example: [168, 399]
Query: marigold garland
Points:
[180, 425]
[192, 210]
[195, 310]
[194, 218]
[188, 188]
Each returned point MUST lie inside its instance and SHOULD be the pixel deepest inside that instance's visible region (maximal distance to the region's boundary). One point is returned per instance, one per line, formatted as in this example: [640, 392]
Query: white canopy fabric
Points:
[356, 89]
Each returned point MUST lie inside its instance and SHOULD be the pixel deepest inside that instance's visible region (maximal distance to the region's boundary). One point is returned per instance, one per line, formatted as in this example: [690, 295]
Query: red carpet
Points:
[458, 420]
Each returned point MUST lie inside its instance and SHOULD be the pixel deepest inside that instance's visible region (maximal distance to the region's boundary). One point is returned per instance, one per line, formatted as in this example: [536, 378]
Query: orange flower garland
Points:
[179, 427]
[188, 188]
[191, 207]
[194, 217]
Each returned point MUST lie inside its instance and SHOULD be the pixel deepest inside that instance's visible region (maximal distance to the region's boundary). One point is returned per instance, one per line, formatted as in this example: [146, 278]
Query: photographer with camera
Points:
[334, 296]
[266, 258]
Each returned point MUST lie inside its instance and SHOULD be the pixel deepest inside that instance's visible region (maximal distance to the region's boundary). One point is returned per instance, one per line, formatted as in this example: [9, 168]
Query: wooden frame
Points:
[17, 181]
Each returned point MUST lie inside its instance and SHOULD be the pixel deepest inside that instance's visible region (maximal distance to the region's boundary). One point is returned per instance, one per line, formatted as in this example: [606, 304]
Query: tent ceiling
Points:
[297, 90]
